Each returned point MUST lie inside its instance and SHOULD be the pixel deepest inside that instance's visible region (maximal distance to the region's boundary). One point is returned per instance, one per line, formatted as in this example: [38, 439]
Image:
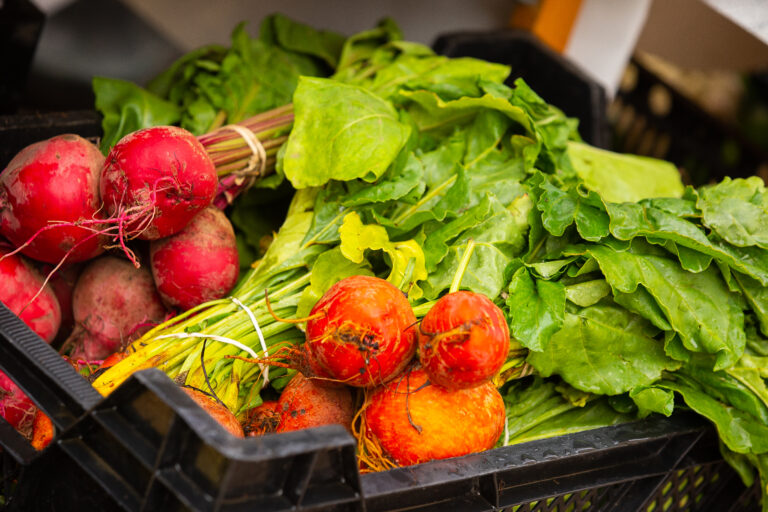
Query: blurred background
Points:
[685, 80]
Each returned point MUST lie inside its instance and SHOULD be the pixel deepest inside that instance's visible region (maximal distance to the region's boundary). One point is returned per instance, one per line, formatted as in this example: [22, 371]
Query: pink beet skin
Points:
[19, 282]
[113, 304]
[160, 177]
[198, 264]
[56, 180]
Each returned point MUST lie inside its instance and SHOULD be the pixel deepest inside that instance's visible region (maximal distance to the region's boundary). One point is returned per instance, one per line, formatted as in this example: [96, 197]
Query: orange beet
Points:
[361, 332]
[262, 419]
[219, 412]
[307, 403]
[463, 340]
[42, 431]
[413, 421]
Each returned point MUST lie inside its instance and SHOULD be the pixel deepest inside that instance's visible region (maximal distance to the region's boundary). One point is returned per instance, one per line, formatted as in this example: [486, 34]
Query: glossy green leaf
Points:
[630, 220]
[359, 139]
[329, 268]
[737, 210]
[619, 177]
[603, 349]
[126, 107]
[697, 305]
[536, 308]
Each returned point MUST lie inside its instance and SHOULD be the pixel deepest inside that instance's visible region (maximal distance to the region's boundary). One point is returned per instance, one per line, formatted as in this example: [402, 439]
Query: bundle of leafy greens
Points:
[627, 294]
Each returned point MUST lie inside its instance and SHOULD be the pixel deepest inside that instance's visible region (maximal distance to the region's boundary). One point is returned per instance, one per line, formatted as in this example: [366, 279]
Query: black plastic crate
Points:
[555, 78]
[19, 131]
[650, 117]
[149, 447]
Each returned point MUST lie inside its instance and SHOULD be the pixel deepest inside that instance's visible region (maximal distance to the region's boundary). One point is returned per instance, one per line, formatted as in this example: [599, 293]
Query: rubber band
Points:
[259, 156]
[214, 337]
[264, 368]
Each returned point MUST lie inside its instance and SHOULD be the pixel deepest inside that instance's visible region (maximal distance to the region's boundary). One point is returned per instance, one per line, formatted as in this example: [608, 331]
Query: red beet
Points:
[155, 180]
[113, 304]
[53, 183]
[199, 263]
[19, 283]
[62, 282]
[414, 421]
[464, 340]
[361, 332]
[306, 403]
[15, 406]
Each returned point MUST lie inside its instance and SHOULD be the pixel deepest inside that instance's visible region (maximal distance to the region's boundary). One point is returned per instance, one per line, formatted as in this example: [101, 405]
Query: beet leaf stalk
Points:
[247, 151]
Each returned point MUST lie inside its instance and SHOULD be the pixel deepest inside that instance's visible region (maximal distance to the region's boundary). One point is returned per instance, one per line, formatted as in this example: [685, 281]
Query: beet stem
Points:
[462, 266]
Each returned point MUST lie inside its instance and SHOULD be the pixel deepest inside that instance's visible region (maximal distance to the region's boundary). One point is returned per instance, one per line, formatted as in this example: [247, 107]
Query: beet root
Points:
[218, 411]
[463, 340]
[410, 421]
[16, 407]
[113, 304]
[47, 193]
[263, 419]
[361, 332]
[19, 283]
[155, 180]
[198, 264]
[307, 403]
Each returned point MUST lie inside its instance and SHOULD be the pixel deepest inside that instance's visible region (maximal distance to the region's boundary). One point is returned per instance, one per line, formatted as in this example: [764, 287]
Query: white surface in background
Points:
[194, 23]
[603, 38]
[49, 7]
[751, 15]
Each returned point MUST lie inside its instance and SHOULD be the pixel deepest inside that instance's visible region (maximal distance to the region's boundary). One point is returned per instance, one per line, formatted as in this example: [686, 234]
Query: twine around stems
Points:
[259, 156]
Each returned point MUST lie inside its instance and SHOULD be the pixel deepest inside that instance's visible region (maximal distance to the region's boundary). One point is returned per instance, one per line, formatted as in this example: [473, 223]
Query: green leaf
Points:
[361, 46]
[587, 293]
[498, 239]
[302, 39]
[551, 269]
[341, 132]
[430, 112]
[674, 348]
[406, 257]
[450, 78]
[739, 430]
[603, 349]
[642, 303]
[392, 186]
[698, 306]
[442, 201]
[536, 309]
[560, 208]
[737, 210]
[757, 297]
[126, 107]
[622, 178]
[328, 269]
[653, 399]
[630, 220]
[436, 246]
[690, 260]
[552, 127]
[740, 463]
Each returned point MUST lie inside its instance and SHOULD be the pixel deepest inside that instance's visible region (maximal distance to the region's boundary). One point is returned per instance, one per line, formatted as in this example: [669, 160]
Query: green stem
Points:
[459, 275]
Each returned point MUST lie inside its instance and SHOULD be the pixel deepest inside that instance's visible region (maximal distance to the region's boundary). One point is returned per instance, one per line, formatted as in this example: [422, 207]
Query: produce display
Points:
[428, 256]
